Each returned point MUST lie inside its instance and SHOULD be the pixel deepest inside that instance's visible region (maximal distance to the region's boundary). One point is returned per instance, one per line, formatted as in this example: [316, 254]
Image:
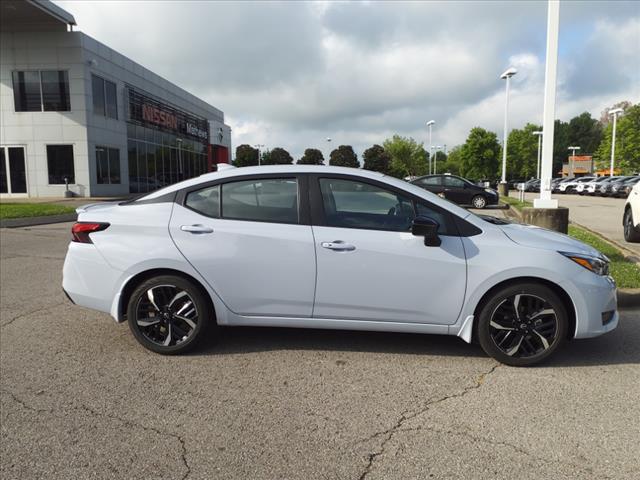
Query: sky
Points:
[292, 74]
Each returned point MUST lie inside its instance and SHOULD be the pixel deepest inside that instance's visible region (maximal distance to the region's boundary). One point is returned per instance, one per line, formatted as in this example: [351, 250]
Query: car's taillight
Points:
[81, 230]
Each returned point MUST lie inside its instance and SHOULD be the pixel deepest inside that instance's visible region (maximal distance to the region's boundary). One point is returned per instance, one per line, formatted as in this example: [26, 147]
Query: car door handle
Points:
[196, 229]
[338, 246]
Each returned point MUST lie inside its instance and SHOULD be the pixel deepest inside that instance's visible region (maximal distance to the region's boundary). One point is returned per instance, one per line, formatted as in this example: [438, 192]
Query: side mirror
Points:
[426, 227]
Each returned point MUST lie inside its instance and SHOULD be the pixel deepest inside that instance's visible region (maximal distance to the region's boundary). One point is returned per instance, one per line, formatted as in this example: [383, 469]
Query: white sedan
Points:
[337, 248]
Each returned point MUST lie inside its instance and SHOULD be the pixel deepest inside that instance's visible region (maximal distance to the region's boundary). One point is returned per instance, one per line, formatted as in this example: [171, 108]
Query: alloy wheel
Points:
[479, 202]
[523, 325]
[166, 315]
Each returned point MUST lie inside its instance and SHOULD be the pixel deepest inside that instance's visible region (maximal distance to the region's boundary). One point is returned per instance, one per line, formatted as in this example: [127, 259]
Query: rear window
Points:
[264, 200]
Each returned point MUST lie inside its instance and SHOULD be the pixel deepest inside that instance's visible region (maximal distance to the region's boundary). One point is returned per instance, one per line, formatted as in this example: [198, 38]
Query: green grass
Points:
[22, 210]
[625, 273]
[515, 203]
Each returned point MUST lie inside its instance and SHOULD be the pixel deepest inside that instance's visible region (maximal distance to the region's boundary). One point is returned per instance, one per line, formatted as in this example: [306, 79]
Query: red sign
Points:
[159, 117]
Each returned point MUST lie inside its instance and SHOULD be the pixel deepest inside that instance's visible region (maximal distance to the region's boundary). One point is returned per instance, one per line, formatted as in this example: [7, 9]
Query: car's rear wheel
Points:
[631, 234]
[168, 314]
[479, 201]
[523, 324]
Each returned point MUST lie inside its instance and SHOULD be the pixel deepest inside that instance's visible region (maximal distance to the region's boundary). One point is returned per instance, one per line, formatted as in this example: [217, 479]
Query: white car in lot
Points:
[338, 248]
[631, 218]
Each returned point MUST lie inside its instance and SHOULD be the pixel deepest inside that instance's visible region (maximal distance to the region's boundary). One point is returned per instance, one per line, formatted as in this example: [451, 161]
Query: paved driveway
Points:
[80, 399]
[601, 214]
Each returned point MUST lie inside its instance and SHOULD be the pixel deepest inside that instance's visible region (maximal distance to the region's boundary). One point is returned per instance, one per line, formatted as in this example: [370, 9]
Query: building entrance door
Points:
[13, 171]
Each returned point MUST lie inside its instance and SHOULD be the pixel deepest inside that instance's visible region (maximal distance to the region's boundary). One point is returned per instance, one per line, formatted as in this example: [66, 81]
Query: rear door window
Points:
[272, 200]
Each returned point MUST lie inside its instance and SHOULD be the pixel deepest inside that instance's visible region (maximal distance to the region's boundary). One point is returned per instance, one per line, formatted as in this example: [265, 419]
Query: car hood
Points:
[537, 237]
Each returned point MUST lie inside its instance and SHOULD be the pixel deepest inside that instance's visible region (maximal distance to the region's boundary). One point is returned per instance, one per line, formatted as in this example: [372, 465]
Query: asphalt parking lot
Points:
[80, 399]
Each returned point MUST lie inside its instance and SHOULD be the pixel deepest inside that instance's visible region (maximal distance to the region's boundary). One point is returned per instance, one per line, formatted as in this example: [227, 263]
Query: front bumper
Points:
[596, 305]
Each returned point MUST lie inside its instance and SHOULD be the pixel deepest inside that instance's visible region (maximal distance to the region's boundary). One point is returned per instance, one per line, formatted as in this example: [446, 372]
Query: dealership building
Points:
[80, 117]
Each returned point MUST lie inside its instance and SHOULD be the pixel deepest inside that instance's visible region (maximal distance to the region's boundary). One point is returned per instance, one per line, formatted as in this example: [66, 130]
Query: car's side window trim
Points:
[304, 216]
[318, 217]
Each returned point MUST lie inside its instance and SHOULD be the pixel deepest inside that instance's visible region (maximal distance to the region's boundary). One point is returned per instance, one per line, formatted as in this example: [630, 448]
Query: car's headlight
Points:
[489, 190]
[597, 265]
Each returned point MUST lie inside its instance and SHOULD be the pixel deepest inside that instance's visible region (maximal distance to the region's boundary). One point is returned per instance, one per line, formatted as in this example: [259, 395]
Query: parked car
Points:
[607, 188]
[338, 248]
[595, 187]
[458, 190]
[570, 187]
[555, 187]
[532, 185]
[623, 188]
[631, 217]
[513, 184]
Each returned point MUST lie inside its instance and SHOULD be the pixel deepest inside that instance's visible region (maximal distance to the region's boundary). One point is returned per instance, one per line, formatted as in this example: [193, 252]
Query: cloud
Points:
[292, 74]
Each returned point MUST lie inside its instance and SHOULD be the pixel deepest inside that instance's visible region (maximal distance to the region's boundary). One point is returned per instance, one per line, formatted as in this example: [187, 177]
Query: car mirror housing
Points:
[426, 227]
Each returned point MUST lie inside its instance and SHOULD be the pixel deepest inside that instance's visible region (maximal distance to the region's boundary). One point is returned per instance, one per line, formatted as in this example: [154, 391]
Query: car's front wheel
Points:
[631, 234]
[479, 201]
[522, 325]
[168, 314]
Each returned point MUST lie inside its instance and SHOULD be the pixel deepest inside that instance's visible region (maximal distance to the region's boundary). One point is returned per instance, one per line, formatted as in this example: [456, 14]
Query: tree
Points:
[376, 159]
[480, 154]
[246, 156]
[279, 156]
[439, 160]
[585, 132]
[453, 164]
[522, 152]
[605, 118]
[627, 153]
[265, 157]
[560, 145]
[312, 156]
[408, 158]
[344, 156]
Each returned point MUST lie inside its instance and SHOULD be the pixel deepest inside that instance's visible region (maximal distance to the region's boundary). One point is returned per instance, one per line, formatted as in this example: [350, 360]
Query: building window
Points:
[105, 101]
[45, 90]
[108, 165]
[60, 164]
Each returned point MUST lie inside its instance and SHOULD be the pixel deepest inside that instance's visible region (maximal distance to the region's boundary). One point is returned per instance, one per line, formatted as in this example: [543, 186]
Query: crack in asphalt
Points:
[37, 310]
[124, 421]
[389, 433]
[584, 468]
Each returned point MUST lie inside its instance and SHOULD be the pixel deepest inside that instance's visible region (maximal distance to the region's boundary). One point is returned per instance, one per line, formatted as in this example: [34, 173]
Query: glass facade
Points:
[105, 100]
[158, 158]
[107, 165]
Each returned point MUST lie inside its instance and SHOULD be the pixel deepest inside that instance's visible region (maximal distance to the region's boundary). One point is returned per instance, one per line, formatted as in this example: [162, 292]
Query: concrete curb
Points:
[628, 297]
[33, 221]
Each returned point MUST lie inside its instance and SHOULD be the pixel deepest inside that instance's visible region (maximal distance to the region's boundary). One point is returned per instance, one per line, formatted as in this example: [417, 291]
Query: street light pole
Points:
[329, 156]
[548, 116]
[506, 76]
[430, 124]
[259, 146]
[572, 160]
[539, 135]
[615, 112]
[435, 159]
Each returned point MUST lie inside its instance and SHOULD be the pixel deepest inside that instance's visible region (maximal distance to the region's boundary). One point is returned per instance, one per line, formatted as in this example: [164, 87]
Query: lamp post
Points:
[572, 160]
[259, 146]
[329, 155]
[506, 76]
[615, 112]
[430, 124]
[539, 135]
[435, 158]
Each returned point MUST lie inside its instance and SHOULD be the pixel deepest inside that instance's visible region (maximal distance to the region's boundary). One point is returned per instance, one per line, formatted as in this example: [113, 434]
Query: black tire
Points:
[631, 233]
[519, 340]
[177, 309]
[479, 202]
